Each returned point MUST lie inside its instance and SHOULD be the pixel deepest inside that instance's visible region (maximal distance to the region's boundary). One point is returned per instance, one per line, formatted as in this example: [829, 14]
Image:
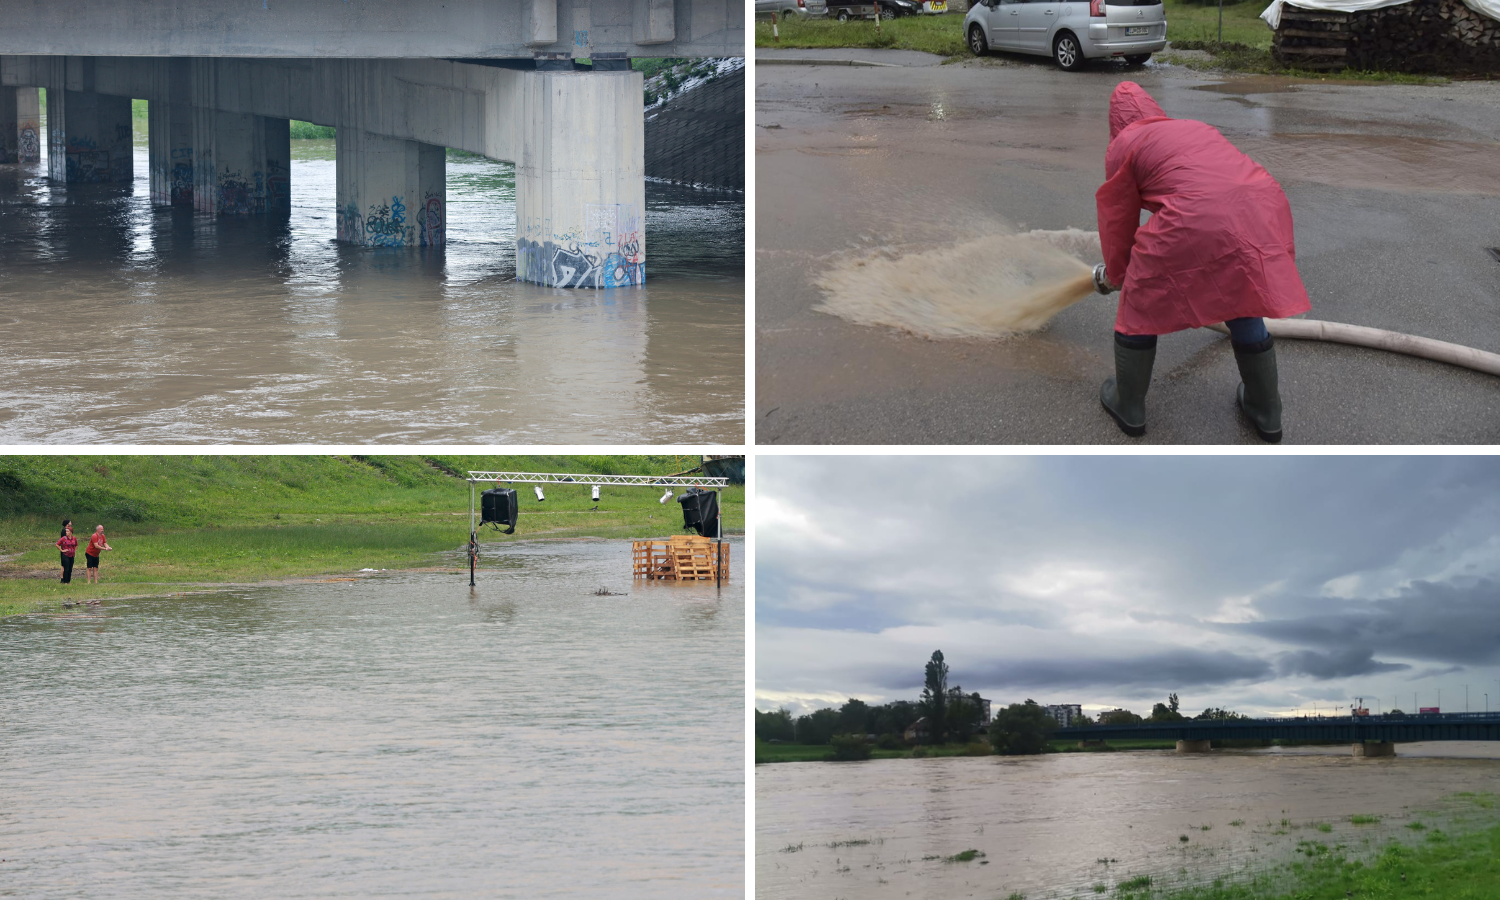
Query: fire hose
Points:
[1362, 336]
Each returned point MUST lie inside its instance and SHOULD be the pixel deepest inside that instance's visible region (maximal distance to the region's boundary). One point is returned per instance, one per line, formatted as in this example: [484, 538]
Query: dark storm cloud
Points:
[1163, 670]
[1445, 623]
[1341, 664]
[1271, 581]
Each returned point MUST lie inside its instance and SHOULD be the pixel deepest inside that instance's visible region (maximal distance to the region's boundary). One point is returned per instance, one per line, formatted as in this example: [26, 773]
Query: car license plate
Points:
[1140, 30]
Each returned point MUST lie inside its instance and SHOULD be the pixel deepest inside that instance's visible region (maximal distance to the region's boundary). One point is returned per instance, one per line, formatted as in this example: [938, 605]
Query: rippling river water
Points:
[1063, 824]
[123, 322]
[391, 736]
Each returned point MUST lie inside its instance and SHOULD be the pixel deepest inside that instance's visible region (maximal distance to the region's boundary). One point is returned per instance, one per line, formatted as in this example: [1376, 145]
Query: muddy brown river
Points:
[1060, 826]
[400, 735]
[125, 323]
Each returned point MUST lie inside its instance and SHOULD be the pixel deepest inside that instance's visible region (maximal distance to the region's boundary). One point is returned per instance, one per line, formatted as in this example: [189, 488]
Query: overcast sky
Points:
[1259, 584]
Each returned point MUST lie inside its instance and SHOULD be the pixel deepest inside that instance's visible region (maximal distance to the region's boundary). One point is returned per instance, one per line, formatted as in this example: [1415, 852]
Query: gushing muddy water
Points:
[1061, 825]
[392, 735]
[120, 322]
[986, 287]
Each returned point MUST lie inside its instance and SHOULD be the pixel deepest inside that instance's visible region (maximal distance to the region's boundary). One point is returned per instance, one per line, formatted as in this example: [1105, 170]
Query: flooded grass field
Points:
[1086, 824]
[124, 322]
[398, 735]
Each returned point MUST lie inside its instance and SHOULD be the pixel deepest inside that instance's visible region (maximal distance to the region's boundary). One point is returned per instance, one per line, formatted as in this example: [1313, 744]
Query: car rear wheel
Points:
[977, 43]
[843, 15]
[1138, 59]
[1066, 51]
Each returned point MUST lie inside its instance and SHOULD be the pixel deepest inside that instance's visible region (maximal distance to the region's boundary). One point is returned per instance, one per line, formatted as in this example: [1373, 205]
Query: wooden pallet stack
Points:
[683, 557]
[1433, 36]
[1313, 39]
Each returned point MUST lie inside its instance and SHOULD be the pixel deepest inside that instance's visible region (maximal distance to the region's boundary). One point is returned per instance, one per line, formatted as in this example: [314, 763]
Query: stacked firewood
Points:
[1438, 36]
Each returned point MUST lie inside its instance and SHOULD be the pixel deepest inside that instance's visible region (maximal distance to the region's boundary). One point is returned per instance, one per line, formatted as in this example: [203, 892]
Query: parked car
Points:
[844, 10]
[786, 9]
[1070, 31]
[891, 9]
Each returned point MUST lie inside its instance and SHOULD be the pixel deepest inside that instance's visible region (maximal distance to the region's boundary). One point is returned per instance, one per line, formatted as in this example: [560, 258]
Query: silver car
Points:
[1069, 31]
[786, 9]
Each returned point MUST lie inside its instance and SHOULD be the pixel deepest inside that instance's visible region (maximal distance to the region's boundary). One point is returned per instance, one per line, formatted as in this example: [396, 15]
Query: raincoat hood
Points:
[1129, 104]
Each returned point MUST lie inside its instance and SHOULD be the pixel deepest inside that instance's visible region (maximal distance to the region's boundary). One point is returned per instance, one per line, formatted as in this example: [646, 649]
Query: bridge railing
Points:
[1224, 726]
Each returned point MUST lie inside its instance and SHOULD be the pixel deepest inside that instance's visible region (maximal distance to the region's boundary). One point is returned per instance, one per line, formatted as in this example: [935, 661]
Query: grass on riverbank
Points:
[1244, 45]
[1452, 866]
[776, 753]
[181, 520]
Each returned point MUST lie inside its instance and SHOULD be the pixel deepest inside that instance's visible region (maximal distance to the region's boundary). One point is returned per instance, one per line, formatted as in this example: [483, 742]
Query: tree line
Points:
[950, 714]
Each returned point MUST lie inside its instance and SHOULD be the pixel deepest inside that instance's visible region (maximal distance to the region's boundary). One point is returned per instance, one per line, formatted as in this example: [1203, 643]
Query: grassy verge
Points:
[1244, 46]
[182, 520]
[1457, 865]
[777, 753]
[943, 35]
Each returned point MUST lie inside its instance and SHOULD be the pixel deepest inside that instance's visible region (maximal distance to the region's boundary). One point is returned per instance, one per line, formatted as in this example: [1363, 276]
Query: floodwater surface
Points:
[1063, 825]
[124, 322]
[396, 735]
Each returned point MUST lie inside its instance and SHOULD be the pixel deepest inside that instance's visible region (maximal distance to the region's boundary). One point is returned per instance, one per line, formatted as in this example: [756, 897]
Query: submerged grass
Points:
[1453, 867]
[182, 521]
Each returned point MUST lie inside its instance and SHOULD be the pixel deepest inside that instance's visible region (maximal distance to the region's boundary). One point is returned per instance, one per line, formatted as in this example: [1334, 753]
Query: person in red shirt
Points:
[69, 546]
[1218, 248]
[97, 545]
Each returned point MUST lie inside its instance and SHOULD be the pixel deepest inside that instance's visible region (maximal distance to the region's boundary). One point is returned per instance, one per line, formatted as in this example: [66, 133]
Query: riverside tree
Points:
[935, 697]
[775, 726]
[1021, 729]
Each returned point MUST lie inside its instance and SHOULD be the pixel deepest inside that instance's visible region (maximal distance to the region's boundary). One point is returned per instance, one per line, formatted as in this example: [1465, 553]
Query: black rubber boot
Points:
[1124, 396]
[1259, 398]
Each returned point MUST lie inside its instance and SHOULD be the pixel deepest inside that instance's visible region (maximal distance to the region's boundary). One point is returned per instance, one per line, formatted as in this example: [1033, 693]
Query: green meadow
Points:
[178, 522]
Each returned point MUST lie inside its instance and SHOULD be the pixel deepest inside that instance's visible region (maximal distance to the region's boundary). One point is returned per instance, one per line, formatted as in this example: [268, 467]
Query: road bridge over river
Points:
[543, 84]
[1370, 735]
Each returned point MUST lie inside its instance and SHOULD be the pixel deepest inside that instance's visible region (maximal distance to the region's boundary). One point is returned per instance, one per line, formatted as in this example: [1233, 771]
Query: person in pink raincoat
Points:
[1217, 248]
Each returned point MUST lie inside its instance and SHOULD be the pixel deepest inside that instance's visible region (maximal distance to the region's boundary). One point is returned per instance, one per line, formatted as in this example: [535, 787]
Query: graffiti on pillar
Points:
[385, 226]
[241, 196]
[180, 177]
[351, 225]
[615, 228]
[433, 227]
[278, 186]
[608, 253]
[86, 163]
[30, 149]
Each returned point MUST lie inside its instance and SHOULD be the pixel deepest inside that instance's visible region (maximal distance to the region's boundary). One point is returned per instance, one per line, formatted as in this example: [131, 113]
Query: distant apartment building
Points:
[1066, 714]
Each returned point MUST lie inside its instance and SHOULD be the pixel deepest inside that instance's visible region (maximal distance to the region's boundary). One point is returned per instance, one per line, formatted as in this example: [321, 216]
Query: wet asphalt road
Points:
[1395, 190]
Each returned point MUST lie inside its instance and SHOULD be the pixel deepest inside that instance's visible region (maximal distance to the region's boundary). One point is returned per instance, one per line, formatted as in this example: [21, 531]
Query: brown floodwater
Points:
[121, 322]
[398, 735]
[1063, 824]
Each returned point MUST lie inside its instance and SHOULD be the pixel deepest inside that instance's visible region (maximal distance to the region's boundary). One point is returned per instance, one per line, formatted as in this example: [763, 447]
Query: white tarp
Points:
[1272, 15]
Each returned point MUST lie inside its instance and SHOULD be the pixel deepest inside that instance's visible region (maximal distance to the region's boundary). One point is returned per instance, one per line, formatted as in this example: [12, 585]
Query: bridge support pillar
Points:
[20, 125]
[241, 163]
[580, 180]
[1372, 749]
[1194, 746]
[170, 130]
[390, 192]
[88, 137]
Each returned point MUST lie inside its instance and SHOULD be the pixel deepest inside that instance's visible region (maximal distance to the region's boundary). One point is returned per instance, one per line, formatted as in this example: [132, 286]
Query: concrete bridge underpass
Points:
[399, 82]
[1369, 735]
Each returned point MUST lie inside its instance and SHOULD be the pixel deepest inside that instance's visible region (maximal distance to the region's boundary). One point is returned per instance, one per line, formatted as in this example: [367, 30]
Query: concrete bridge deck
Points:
[373, 29]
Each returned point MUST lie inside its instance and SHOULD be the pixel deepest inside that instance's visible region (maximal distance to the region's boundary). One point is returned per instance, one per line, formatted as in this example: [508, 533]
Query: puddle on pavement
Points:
[1381, 162]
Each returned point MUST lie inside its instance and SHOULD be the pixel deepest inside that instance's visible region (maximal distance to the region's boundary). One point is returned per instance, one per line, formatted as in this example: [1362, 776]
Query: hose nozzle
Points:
[1101, 284]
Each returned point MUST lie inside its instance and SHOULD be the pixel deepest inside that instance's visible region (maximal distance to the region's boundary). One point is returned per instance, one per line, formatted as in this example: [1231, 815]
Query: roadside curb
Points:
[814, 61]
